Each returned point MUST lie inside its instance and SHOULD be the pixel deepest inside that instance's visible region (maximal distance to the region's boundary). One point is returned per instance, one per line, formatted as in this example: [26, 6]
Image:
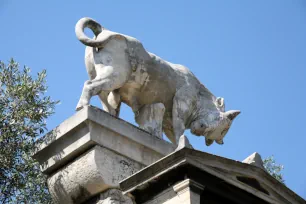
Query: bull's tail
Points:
[96, 28]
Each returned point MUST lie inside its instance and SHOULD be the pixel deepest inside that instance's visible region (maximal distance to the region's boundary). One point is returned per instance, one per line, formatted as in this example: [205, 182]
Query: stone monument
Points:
[164, 96]
[94, 157]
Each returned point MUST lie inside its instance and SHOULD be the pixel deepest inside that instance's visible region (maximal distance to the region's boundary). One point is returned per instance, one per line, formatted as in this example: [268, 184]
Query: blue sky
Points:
[252, 53]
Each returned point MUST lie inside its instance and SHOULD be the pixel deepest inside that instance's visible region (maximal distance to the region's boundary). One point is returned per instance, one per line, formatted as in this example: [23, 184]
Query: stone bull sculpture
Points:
[164, 96]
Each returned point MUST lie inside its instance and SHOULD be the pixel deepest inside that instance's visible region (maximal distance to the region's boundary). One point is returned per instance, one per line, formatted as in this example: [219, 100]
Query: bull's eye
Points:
[202, 125]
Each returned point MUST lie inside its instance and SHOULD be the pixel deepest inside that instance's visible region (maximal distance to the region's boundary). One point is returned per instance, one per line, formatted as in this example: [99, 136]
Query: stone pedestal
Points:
[91, 152]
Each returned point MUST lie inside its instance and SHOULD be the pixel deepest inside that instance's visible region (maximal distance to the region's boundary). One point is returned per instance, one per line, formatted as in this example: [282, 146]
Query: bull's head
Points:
[214, 123]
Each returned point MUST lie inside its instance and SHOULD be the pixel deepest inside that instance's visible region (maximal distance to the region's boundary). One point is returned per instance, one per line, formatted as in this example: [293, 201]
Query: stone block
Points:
[255, 160]
[94, 171]
[92, 126]
[111, 196]
[92, 151]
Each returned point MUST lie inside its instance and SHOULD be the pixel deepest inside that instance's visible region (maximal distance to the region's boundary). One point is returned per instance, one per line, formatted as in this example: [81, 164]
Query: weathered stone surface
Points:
[150, 118]
[224, 180]
[93, 172]
[118, 64]
[92, 126]
[188, 192]
[255, 160]
[112, 196]
[92, 151]
[183, 143]
[184, 192]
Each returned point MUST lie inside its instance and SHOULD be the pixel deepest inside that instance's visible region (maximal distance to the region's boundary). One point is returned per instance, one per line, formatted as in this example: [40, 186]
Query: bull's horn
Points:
[231, 114]
[208, 142]
[220, 142]
[96, 28]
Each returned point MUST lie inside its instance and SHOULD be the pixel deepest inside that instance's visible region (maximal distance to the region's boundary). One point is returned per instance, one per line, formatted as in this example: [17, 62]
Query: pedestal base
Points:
[92, 151]
[95, 171]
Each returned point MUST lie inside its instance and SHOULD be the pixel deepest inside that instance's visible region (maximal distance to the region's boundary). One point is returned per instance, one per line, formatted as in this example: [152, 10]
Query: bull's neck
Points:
[193, 115]
[205, 113]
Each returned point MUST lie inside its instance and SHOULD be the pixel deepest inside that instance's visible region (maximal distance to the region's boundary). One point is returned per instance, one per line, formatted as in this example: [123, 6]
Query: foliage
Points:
[274, 169]
[23, 110]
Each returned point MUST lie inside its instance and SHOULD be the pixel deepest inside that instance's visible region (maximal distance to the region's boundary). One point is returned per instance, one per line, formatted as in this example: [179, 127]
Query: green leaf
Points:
[274, 169]
[23, 111]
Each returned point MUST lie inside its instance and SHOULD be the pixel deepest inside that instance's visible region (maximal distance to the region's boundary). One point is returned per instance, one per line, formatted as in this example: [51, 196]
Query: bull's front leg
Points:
[182, 103]
[150, 118]
[178, 124]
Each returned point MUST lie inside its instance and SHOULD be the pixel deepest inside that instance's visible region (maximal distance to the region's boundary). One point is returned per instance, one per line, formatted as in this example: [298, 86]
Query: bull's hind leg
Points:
[114, 100]
[150, 118]
[101, 87]
[103, 95]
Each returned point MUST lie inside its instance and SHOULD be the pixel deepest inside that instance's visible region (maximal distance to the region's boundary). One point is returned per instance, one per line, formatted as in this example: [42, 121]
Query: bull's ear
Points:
[208, 142]
[231, 114]
[220, 102]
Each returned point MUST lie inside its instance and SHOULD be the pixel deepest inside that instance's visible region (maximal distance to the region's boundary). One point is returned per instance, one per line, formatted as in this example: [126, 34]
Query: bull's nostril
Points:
[202, 126]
